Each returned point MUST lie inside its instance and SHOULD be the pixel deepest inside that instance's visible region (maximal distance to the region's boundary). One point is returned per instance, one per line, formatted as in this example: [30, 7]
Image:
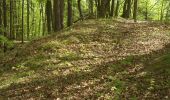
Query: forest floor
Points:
[93, 59]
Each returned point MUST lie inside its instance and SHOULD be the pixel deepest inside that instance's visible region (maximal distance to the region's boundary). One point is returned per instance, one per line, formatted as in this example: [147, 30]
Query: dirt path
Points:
[94, 59]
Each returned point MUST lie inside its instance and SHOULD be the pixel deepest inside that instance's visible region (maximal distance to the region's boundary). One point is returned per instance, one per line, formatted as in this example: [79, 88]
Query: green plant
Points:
[4, 40]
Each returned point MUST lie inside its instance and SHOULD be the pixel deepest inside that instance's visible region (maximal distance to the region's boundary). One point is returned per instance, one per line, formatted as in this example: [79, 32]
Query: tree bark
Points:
[117, 8]
[69, 12]
[91, 5]
[80, 10]
[57, 19]
[48, 15]
[5, 21]
[22, 21]
[112, 8]
[11, 20]
[146, 10]
[62, 13]
[135, 10]
[162, 11]
[0, 17]
[126, 9]
[28, 18]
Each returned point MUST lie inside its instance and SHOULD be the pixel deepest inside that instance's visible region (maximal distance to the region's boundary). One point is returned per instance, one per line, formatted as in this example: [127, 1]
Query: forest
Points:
[84, 50]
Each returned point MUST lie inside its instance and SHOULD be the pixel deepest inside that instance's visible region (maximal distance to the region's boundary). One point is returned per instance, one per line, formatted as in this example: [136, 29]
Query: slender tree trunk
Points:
[33, 21]
[135, 10]
[103, 9]
[11, 23]
[162, 10]
[62, 13]
[28, 18]
[43, 20]
[5, 21]
[1, 18]
[22, 21]
[128, 9]
[117, 9]
[69, 18]
[91, 5]
[18, 32]
[125, 9]
[15, 18]
[107, 8]
[80, 10]
[40, 19]
[48, 14]
[112, 8]
[57, 19]
[146, 10]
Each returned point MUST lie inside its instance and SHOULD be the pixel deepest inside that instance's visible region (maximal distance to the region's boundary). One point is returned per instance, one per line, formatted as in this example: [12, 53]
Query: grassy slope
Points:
[94, 59]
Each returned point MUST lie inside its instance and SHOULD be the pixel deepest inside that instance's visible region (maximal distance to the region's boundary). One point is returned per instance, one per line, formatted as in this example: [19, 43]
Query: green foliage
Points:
[117, 88]
[6, 41]
[127, 61]
[162, 64]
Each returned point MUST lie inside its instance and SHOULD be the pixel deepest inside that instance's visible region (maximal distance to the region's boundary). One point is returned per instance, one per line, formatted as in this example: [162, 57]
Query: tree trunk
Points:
[80, 10]
[5, 21]
[11, 20]
[48, 14]
[146, 10]
[91, 5]
[135, 10]
[62, 13]
[112, 8]
[1, 18]
[117, 8]
[162, 10]
[126, 9]
[22, 21]
[103, 8]
[107, 8]
[57, 19]
[69, 18]
[40, 19]
[28, 18]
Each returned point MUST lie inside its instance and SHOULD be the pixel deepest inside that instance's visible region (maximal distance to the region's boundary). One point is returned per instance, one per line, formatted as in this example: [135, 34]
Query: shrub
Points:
[4, 40]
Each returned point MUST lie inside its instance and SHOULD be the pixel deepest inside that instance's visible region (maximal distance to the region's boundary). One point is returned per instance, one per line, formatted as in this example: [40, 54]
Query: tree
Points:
[49, 15]
[162, 10]
[11, 20]
[135, 10]
[57, 19]
[28, 18]
[69, 13]
[80, 10]
[91, 6]
[103, 8]
[58, 11]
[5, 21]
[112, 8]
[126, 9]
[117, 9]
[146, 10]
[22, 21]
[62, 13]
[0, 18]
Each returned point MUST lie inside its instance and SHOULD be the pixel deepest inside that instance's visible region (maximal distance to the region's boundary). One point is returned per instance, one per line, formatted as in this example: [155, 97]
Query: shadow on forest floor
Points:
[93, 60]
